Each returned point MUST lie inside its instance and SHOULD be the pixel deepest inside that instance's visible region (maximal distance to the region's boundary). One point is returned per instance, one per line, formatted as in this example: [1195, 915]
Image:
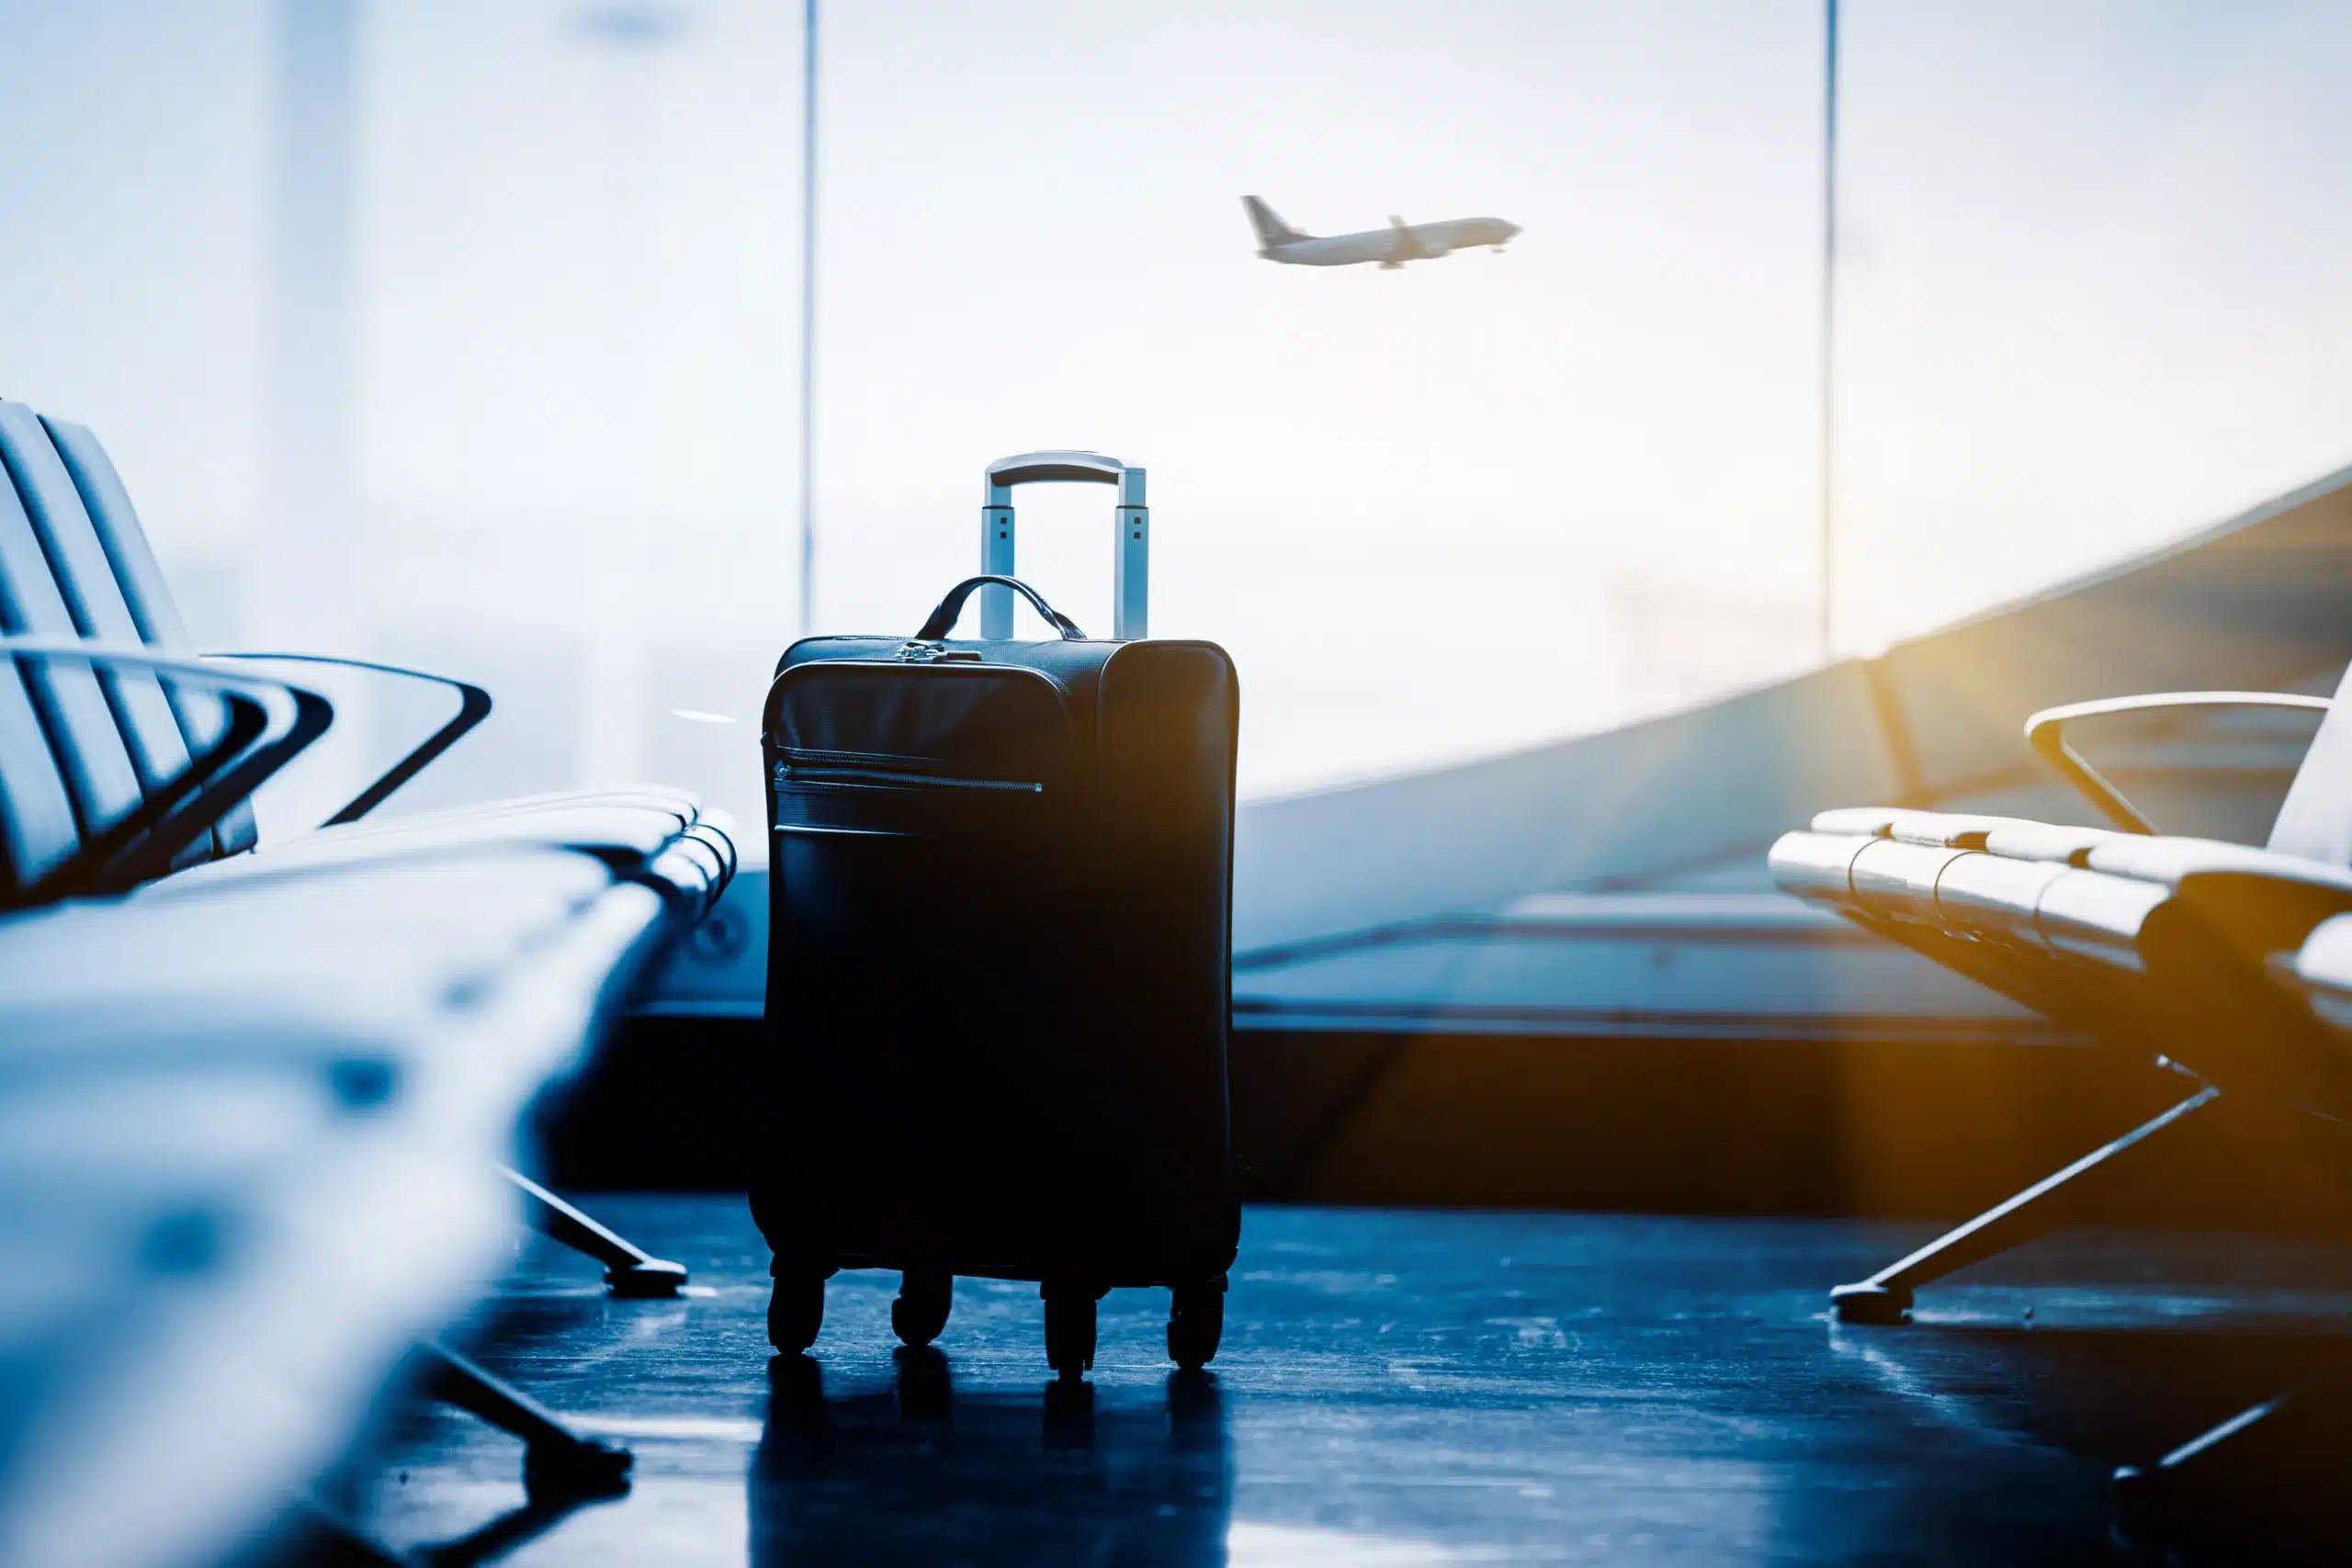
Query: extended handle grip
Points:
[942, 619]
[1037, 467]
[1131, 548]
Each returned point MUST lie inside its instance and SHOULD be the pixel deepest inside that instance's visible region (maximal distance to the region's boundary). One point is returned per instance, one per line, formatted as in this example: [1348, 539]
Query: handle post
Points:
[1131, 538]
[1131, 574]
[996, 560]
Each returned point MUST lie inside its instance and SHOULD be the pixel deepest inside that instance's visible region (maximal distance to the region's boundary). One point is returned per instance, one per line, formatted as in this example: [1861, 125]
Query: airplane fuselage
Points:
[1392, 246]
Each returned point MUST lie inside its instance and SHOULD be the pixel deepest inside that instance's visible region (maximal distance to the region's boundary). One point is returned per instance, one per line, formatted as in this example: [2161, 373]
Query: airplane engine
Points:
[1432, 250]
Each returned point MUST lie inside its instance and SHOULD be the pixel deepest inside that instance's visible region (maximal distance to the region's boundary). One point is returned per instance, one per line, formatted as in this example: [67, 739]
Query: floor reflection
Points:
[1404, 1388]
[2099, 1396]
[509, 1532]
[2113, 1395]
[916, 1473]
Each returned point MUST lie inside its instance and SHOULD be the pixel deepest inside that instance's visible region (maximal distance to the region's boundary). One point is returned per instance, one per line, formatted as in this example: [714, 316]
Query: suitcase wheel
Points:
[795, 1311]
[1195, 1324]
[920, 1311]
[1070, 1330]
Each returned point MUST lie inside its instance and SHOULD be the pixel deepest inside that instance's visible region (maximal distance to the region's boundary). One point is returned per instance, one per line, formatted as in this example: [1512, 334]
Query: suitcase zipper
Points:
[843, 778]
[850, 770]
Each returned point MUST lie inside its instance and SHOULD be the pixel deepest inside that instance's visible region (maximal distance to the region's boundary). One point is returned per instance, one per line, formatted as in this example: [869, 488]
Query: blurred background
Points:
[467, 335]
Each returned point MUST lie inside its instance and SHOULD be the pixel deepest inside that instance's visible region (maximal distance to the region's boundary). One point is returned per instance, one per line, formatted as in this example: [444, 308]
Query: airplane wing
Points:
[1405, 245]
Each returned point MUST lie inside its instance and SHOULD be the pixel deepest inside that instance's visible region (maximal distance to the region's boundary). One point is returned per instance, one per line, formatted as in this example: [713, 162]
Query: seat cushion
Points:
[392, 929]
[1987, 895]
[2089, 915]
[1897, 880]
[2171, 861]
[2047, 842]
[1817, 866]
[649, 838]
[1956, 829]
[1852, 821]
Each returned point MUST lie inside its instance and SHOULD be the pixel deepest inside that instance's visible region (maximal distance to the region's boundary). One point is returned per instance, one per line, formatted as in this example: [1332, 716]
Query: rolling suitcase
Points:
[999, 972]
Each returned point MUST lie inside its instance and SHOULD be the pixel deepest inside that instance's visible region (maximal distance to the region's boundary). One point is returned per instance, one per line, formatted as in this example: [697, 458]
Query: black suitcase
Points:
[1000, 960]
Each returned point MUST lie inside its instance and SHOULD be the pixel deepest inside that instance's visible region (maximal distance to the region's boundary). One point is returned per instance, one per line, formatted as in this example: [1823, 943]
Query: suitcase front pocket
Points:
[835, 793]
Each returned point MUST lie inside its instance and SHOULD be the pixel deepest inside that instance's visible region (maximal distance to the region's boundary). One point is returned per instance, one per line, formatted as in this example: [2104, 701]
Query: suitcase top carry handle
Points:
[1131, 534]
[1040, 467]
[942, 619]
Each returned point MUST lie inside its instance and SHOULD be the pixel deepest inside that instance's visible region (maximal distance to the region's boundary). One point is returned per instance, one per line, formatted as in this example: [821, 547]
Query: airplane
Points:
[1392, 247]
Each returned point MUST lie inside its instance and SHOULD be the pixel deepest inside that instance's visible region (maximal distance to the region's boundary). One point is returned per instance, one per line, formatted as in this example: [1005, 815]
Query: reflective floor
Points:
[1394, 1388]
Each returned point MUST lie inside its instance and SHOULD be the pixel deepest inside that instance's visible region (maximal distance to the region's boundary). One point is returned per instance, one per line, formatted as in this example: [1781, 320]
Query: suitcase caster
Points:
[920, 1311]
[1069, 1329]
[1195, 1324]
[795, 1311]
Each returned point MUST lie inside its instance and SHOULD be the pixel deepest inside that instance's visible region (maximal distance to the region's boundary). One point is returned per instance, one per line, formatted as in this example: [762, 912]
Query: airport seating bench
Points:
[128, 762]
[2227, 963]
[104, 809]
[249, 1135]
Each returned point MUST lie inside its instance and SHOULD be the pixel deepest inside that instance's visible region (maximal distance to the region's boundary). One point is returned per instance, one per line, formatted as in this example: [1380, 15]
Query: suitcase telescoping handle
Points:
[943, 620]
[1131, 558]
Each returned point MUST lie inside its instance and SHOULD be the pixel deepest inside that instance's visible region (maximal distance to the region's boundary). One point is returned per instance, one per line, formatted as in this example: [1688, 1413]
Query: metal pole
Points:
[308, 496]
[307, 588]
[809, 325]
[1828, 563]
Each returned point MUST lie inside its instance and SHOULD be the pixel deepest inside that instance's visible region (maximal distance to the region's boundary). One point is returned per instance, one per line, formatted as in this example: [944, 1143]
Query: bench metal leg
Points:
[504, 1535]
[557, 1462]
[629, 1269]
[1885, 1296]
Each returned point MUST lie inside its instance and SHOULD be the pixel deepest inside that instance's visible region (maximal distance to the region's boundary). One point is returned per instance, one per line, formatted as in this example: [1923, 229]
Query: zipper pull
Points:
[918, 652]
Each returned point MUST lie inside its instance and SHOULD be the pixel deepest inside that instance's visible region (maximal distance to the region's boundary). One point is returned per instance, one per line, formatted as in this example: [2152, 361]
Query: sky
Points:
[2088, 300]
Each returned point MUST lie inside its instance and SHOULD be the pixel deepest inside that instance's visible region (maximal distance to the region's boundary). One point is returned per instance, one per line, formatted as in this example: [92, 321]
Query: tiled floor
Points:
[1395, 1388]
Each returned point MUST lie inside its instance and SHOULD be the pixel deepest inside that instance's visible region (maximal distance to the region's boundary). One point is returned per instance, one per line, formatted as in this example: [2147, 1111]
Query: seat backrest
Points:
[75, 708]
[2315, 819]
[85, 582]
[153, 615]
[38, 830]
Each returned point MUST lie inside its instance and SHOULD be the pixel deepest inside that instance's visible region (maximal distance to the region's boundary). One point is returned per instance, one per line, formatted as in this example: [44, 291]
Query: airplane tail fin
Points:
[1271, 230]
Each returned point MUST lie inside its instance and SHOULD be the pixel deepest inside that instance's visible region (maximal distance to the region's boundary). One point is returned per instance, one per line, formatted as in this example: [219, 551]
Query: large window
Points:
[2089, 298]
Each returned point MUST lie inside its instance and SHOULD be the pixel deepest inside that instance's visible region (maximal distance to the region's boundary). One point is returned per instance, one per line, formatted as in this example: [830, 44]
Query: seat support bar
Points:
[629, 1269]
[1886, 1296]
[557, 1460]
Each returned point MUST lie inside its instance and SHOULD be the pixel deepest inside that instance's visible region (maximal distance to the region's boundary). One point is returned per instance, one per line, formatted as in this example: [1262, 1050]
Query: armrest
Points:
[2046, 733]
[473, 707]
[269, 722]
